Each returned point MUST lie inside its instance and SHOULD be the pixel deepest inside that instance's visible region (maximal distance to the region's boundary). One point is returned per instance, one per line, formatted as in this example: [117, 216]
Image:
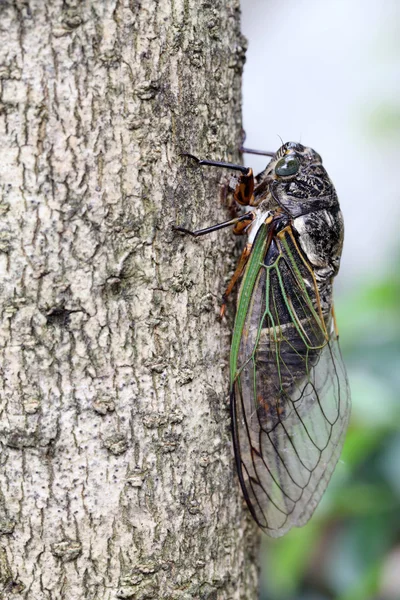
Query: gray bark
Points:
[117, 478]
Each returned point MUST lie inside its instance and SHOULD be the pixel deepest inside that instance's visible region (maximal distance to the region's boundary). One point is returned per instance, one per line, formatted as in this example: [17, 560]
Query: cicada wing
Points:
[290, 397]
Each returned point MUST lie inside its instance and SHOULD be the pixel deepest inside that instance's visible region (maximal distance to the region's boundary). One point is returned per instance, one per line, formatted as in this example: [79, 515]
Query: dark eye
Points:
[288, 165]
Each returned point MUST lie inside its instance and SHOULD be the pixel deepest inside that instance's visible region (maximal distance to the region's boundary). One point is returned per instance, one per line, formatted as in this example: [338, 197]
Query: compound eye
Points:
[288, 165]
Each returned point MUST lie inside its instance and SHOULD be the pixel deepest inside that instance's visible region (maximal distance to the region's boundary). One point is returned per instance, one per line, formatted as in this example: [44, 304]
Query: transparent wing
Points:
[290, 397]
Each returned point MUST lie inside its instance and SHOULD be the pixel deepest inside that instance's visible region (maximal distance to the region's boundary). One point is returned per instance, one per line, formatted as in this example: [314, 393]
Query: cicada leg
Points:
[247, 218]
[258, 152]
[249, 150]
[217, 163]
[243, 193]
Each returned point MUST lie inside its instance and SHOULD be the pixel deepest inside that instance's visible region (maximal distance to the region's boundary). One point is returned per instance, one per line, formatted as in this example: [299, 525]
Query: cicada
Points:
[290, 399]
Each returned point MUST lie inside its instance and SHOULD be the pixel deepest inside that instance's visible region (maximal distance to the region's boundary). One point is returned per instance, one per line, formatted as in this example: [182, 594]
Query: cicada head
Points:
[298, 181]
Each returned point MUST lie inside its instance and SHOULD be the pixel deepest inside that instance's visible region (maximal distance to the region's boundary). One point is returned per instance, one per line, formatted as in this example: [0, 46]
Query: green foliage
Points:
[343, 552]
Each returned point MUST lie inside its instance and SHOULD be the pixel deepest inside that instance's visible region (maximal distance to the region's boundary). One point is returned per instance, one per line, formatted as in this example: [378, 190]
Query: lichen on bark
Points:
[117, 477]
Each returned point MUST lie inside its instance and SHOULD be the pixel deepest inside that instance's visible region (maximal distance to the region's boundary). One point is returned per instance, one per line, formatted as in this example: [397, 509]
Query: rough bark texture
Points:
[117, 478]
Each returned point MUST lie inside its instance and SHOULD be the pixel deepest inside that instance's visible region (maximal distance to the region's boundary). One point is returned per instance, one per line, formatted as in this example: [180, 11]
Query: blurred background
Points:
[328, 74]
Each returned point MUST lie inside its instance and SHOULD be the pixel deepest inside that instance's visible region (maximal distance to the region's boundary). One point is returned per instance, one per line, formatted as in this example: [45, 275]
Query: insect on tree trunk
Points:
[117, 478]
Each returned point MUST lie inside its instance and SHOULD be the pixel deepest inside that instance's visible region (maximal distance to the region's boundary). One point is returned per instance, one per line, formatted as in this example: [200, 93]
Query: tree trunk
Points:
[117, 477]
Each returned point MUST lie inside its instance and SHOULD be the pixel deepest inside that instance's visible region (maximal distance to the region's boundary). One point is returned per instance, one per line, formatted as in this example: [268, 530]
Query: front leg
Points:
[246, 218]
[243, 193]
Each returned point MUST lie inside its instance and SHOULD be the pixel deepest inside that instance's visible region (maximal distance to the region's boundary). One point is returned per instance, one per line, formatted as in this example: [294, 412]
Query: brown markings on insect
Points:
[270, 412]
[243, 193]
[245, 334]
[335, 322]
[242, 226]
[269, 219]
[262, 402]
